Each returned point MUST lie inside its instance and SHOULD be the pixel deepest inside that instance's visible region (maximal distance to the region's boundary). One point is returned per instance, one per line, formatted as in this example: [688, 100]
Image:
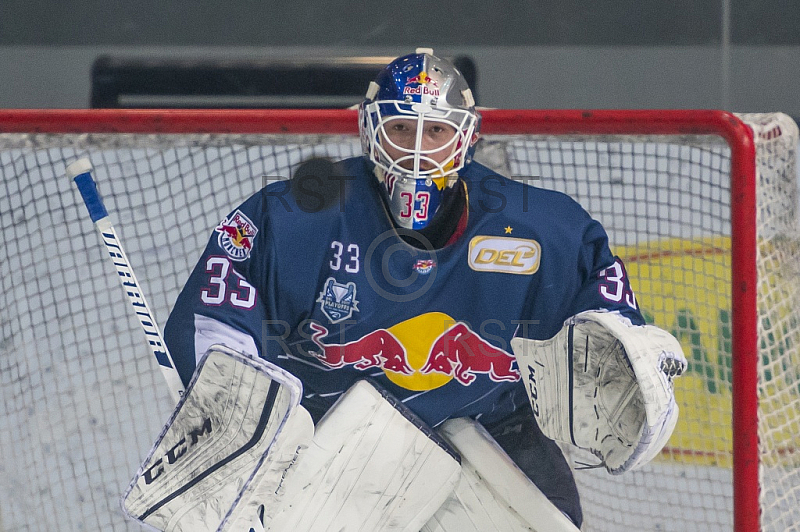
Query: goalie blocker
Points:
[239, 446]
[604, 385]
[238, 413]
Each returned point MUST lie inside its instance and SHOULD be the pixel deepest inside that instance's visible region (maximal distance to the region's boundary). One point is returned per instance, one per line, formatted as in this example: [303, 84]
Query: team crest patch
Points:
[236, 236]
[338, 301]
[424, 266]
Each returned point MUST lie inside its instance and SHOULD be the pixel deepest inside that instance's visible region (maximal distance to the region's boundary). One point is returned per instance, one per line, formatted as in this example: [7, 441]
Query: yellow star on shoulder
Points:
[508, 230]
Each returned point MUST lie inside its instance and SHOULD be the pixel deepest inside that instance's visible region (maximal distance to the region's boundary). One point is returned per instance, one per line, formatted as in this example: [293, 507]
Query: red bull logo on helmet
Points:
[422, 79]
[422, 353]
[236, 236]
[424, 85]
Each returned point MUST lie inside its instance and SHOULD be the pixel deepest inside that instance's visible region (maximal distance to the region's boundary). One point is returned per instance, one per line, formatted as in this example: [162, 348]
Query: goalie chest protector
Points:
[329, 291]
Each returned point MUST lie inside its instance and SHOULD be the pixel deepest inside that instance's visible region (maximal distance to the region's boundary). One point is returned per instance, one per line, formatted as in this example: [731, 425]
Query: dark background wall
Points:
[736, 54]
[350, 23]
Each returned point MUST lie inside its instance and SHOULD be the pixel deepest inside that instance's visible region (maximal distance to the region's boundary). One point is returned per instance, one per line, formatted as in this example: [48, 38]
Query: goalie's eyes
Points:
[434, 134]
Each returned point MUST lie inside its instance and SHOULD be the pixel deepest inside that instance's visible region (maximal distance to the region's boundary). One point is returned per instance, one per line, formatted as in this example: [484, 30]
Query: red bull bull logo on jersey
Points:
[236, 236]
[460, 352]
[422, 353]
[378, 349]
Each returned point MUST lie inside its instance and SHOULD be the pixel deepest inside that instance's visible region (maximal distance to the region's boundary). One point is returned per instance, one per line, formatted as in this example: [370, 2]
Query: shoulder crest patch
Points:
[236, 235]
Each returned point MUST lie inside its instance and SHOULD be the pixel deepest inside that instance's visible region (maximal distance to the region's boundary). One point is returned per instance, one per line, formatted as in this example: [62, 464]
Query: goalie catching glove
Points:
[604, 385]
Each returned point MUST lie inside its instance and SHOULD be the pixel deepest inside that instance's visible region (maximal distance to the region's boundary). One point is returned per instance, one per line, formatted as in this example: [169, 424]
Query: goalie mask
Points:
[418, 125]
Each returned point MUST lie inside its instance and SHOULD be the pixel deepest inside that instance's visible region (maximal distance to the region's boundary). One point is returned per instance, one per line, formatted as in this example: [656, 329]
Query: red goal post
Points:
[563, 128]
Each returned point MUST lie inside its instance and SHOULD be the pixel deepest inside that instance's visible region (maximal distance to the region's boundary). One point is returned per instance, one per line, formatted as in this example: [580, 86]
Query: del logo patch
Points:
[338, 301]
[236, 236]
[504, 255]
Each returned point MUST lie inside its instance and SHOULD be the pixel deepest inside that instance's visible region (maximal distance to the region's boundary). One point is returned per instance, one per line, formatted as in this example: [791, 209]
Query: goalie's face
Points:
[416, 140]
[422, 146]
[415, 157]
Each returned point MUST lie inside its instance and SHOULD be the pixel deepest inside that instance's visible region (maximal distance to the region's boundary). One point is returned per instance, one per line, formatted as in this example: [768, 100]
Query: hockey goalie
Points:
[401, 341]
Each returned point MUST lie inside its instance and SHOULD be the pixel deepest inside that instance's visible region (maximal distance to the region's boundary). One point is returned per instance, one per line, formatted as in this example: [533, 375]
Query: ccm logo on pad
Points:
[504, 255]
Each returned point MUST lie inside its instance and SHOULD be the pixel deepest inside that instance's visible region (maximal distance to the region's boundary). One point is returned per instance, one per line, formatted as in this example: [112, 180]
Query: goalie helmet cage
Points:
[701, 206]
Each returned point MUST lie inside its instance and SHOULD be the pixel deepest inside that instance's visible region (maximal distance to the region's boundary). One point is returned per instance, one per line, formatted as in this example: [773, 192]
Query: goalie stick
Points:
[80, 171]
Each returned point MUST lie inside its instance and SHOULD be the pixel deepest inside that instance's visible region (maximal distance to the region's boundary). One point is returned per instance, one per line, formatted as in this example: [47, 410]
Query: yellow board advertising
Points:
[685, 287]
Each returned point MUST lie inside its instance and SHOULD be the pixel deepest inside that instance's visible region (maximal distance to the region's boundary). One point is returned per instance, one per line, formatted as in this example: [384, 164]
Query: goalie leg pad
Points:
[604, 385]
[219, 433]
[372, 466]
[493, 493]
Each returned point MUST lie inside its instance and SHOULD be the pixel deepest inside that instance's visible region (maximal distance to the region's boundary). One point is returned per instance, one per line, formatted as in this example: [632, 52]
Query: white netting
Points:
[83, 400]
[778, 265]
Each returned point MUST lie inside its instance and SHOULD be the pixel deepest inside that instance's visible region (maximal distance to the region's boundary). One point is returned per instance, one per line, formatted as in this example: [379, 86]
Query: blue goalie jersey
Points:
[332, 293]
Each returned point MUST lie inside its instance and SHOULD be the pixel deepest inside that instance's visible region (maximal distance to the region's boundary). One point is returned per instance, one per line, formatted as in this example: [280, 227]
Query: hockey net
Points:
[706, 225]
